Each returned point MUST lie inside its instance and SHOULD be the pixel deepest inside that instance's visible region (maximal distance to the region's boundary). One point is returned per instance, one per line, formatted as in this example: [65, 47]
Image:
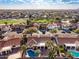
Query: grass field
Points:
[19, 21]
[12, 21]
[43, 20]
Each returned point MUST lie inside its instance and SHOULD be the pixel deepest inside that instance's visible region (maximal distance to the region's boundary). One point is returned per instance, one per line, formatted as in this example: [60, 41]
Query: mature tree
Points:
[23, 45]
[53, 49]
[58, 20]
[24, 40]
[23, 50]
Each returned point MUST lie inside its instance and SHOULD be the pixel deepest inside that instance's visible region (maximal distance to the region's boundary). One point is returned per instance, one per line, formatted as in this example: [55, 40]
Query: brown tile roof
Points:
[14, 41]
[60, 40]
[67, 40]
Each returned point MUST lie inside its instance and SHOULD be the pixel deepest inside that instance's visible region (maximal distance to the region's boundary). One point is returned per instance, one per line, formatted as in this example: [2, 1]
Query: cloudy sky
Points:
[39, 4]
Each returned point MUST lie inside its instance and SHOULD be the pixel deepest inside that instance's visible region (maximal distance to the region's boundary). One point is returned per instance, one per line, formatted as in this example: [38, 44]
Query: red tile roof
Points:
[14, 41]
[67, 40]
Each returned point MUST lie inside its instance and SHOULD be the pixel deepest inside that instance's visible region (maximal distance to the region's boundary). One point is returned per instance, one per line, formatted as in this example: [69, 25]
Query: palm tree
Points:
[23, 45]
[66, 54]
[28, 22]
[23, 49]
[51, 54]
[54, 49]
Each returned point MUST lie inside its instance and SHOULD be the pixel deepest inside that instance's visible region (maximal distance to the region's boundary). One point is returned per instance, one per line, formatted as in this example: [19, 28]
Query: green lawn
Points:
[18, 21]
[12, 21]
[43, 20]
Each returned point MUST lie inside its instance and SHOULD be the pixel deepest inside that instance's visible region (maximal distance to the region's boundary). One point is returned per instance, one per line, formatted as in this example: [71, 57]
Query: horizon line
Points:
[40, 9]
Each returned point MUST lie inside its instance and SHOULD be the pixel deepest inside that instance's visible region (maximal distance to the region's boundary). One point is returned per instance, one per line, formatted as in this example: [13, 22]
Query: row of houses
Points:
[38, 14]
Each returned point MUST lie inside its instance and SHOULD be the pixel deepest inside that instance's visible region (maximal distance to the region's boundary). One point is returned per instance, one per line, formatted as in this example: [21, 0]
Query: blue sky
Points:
[39, 4]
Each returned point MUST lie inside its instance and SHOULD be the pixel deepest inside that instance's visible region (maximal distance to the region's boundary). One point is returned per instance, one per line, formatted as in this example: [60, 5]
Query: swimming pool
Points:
[74, 53]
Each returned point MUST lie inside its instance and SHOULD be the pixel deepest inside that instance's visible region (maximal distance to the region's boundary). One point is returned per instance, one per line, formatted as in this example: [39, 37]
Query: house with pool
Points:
[70, 44]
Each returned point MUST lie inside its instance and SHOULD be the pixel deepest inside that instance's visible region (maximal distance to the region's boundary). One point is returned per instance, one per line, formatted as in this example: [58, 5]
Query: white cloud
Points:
[39, 4]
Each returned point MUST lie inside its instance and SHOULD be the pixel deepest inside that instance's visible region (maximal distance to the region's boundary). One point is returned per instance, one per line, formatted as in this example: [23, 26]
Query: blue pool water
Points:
[31, 53]
[74, 53]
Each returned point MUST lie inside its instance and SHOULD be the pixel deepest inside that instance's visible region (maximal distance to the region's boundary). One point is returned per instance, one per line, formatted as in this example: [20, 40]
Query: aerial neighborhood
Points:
[39, 34]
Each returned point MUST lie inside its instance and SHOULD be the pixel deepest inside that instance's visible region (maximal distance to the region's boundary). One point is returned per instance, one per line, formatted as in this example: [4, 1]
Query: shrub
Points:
[54, 30]
[76, 31]
[30, 30]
